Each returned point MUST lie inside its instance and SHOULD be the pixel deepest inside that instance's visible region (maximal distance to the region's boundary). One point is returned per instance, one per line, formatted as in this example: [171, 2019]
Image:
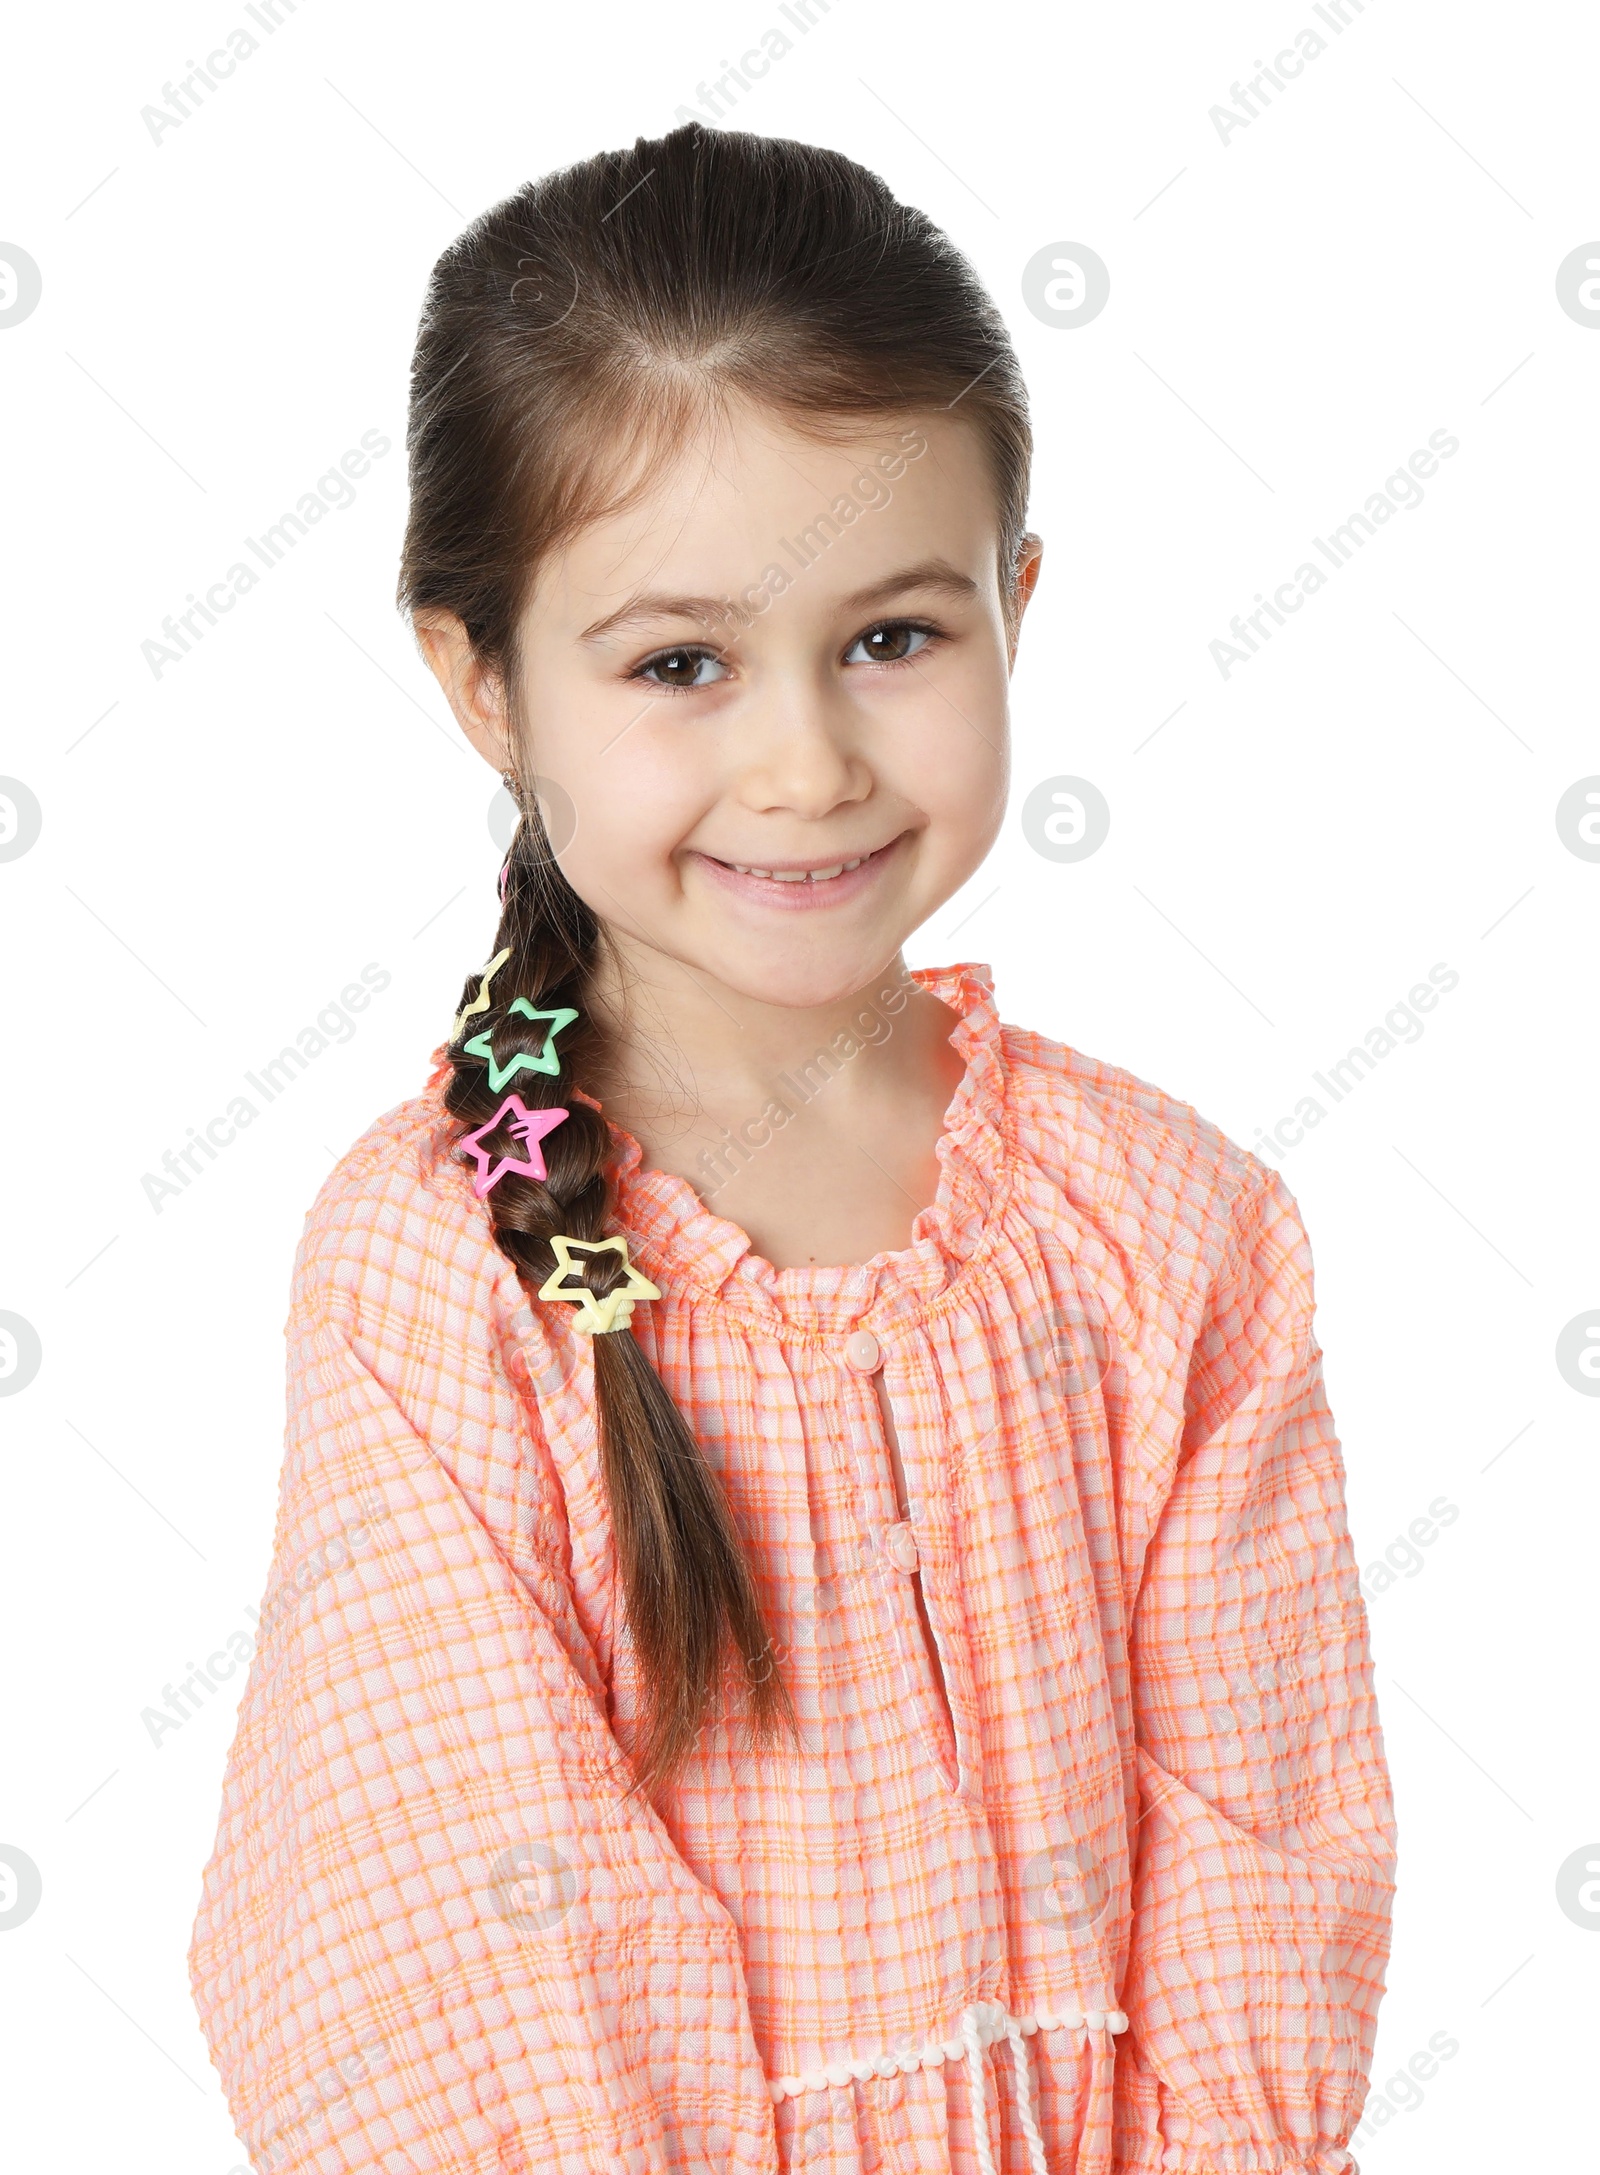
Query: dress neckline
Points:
[693, 1252]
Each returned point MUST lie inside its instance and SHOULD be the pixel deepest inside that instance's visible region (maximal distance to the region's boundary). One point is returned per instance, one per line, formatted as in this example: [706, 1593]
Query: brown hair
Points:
[570, 338]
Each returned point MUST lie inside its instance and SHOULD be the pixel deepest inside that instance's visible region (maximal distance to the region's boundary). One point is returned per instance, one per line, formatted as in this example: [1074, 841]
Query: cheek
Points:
[970, 813]
[634, 803]
[952, 758]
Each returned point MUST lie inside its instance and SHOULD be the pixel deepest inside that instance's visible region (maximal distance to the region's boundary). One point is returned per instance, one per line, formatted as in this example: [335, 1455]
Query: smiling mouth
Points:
[798, 875]
[821, 873]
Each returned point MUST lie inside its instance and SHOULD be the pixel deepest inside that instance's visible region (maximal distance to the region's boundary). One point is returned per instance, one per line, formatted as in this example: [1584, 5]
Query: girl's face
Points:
[773, 692]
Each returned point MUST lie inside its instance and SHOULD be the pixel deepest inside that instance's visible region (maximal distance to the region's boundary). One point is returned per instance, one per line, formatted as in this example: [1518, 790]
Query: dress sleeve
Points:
[1264, 1852]
[436, 1935]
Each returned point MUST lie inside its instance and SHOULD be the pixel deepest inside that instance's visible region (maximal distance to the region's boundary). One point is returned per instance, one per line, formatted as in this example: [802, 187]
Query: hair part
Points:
[571, 339]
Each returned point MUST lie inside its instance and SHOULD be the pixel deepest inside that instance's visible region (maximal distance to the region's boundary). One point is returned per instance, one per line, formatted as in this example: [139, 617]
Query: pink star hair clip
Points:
[530, 1127]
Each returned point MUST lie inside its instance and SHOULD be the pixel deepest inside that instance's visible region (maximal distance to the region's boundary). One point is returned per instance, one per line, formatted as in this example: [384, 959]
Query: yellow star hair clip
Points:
[480, 1003]
[595, 1316]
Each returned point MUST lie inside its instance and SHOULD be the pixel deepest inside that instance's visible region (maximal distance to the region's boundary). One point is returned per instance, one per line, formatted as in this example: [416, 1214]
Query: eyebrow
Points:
[936, 574]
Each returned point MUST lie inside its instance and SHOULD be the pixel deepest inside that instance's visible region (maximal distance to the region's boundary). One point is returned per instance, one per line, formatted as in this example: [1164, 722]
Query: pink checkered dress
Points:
[1117, 1900]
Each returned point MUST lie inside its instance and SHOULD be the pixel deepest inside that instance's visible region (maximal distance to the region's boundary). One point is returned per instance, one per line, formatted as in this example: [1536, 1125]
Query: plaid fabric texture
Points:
[439, 1936]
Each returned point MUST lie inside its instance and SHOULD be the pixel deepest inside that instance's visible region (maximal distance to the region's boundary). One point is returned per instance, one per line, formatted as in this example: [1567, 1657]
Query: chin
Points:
[802, 977]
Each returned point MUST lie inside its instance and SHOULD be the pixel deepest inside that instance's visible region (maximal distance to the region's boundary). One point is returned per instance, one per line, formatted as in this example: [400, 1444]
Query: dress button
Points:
[863, 1352]
[901, 1543]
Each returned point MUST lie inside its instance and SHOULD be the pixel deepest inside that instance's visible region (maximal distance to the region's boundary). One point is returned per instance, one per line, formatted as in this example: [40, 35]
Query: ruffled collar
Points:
[687, 1248]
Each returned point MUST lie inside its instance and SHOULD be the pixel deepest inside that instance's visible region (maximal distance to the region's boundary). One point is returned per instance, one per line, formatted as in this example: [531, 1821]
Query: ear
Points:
[473, 689]
[1027, 577]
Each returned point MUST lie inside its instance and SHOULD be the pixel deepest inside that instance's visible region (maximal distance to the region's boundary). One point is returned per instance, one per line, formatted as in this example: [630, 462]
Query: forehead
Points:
[749, 491]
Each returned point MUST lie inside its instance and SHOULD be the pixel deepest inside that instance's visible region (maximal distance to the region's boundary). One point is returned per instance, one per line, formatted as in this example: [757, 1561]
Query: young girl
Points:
[811, 1622]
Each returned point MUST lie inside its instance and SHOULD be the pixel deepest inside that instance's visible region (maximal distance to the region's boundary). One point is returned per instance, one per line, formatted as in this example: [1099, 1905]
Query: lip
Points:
[802, 897]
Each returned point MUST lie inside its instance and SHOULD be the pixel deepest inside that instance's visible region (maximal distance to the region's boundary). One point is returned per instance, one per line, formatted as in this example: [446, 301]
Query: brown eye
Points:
[890, 644]
[681, 668]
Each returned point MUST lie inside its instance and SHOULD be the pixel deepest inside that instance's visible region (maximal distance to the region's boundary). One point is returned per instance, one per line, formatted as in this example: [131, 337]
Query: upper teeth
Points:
[800, 875]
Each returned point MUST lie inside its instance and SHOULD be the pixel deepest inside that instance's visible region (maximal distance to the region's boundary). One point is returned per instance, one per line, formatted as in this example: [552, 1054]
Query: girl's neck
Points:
[755, 1103]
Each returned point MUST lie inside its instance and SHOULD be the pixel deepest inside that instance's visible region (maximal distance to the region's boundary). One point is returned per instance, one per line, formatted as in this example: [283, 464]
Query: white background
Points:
[1291, 848]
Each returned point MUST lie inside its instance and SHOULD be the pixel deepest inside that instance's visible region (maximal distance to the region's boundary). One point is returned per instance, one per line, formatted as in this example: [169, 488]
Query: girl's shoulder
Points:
[1111, 1146]
[1148, 1171]
[1052, 1083]
[395, 1229]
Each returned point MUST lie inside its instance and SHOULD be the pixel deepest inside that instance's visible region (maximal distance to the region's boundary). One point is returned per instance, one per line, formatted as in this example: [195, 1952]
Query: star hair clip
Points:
[529, 1126]
[480, 1003]
[545, 1060]
[596, 1316]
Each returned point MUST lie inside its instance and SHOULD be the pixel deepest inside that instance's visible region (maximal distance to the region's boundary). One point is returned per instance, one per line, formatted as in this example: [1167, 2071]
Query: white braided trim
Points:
[993, 2023]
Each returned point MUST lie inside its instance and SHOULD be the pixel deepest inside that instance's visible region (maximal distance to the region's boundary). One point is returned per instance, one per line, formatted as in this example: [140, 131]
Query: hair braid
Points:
[690, 1593]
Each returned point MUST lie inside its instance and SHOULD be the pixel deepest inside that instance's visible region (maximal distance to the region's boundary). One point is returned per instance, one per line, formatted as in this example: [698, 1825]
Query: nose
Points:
[799, 755]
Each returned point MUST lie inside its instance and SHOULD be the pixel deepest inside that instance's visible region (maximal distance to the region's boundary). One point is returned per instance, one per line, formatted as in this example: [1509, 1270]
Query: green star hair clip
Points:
[546, 1061]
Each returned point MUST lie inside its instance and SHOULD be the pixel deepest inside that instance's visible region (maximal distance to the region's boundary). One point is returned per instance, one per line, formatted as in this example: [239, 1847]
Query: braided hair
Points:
[688, 1585]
